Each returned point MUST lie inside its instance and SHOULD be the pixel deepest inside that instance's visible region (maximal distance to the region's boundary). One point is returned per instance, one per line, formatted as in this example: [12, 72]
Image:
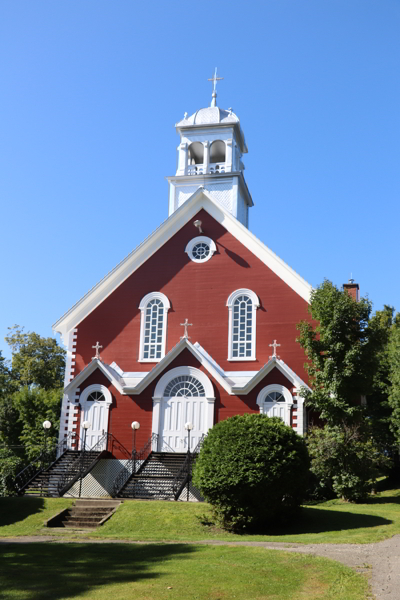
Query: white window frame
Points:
[143, 306]
[198, 240]
[274, 387]
[230, 304]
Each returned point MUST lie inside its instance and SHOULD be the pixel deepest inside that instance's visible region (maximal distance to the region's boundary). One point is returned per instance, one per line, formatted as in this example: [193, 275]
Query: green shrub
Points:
[10, 465]
[253, 470]
[345, 461]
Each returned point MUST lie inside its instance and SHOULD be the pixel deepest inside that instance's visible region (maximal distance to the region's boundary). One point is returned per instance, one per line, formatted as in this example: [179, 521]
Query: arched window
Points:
[184, 385]
[217, 152]
[242, 305]
[153, 327]
[275, 401]
[196, 153]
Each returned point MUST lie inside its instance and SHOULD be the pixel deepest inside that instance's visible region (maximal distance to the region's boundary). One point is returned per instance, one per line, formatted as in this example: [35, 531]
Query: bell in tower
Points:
[210, 156]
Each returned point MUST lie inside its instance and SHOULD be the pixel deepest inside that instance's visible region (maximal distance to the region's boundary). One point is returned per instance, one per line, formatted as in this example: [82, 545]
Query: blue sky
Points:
[90, 93]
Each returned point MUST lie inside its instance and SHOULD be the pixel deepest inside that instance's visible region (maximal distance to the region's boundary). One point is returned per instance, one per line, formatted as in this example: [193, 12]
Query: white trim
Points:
[230, 304]
[126, 388]
[197, 240]
[143, 306]
[201, 199]
[177, 372]
[274, 387]
[86, 404]
[209, 398]
[96, 387]
[265, 406]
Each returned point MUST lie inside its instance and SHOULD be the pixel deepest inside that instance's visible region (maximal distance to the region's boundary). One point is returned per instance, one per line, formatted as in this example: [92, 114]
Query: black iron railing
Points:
[42, 462]
[184, 475]
[84, 463]
[135, 464]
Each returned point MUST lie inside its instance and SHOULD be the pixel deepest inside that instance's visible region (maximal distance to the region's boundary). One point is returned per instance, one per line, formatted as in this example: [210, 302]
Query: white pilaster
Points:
[206, 156]
[228, 156]
[300, 415]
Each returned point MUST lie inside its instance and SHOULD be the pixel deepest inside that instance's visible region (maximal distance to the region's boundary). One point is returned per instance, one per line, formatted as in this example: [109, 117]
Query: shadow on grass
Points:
[14, 509]
[314, 520]
[58, 571]
[383, 500]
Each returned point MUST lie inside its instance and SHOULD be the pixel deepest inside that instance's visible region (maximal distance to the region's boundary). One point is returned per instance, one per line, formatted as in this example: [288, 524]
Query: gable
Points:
[199, 292]
[199, 201]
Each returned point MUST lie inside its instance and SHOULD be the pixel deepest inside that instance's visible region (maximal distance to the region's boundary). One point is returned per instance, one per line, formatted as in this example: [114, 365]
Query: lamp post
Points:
[135, 426]
[188, 427]
[86, 426]
[46, 427]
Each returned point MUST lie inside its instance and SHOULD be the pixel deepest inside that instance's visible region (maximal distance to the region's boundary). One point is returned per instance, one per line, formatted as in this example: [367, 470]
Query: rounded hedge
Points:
[253, 469]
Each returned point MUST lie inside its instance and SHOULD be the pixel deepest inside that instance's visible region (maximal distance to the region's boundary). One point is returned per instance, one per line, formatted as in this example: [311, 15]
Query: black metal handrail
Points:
[185, 472]
[83, 463]
[135, 464]
[42, 462]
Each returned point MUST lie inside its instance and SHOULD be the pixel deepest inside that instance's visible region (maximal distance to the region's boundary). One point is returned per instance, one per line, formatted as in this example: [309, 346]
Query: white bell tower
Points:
[210, 155]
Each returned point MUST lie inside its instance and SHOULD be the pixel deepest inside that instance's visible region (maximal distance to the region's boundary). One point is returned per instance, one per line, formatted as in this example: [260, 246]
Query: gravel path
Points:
[380, 561]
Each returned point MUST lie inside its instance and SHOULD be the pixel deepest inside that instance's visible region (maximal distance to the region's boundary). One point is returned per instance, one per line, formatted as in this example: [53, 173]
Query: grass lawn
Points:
[174, 571]
[330, 522]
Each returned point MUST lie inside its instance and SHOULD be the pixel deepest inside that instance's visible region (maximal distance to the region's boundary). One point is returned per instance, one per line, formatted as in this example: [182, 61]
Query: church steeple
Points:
[210, 155]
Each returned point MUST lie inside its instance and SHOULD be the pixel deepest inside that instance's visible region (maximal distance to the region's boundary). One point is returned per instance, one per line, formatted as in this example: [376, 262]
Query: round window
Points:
[200, 249]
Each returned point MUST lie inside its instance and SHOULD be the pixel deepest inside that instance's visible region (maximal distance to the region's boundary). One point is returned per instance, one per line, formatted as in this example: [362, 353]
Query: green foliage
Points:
[253, 470]
[345, 460]
[10, 429]
[394, 376]
[36, 360]
[10, 464]
[342, 350]
[35, 405]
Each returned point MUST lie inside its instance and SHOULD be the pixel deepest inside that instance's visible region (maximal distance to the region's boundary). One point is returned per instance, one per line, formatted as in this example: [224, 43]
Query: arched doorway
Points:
[182, 395]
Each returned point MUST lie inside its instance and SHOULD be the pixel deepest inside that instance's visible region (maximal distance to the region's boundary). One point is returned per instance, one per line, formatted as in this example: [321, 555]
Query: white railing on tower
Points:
[202, 170]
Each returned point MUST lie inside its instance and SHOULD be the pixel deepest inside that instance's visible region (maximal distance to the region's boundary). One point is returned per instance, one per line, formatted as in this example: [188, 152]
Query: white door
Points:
[97, 415]
[276, 409]
[175, 412]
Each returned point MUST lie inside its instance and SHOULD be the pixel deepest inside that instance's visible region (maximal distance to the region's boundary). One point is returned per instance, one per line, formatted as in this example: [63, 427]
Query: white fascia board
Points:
[88, 370]
[267, 368]
[161, 366]
[200, 199]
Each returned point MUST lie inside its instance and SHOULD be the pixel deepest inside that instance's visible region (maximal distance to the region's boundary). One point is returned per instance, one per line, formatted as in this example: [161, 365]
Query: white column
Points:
[206, 156]
[183, 159]
[210, 413]
[300, 415]
[228, 156]
[155, 428]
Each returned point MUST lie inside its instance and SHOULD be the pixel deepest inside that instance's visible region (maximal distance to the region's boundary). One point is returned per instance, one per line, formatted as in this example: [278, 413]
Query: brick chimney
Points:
[353, 289]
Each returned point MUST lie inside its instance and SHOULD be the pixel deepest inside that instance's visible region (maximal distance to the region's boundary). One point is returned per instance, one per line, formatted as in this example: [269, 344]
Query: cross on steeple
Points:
[186, 324]
[97, 348]
[214, 79]
[274, 346]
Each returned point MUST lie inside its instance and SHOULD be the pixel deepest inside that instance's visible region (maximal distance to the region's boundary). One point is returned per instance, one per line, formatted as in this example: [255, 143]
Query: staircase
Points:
[89, 514]
[46, 483]
[154, 480]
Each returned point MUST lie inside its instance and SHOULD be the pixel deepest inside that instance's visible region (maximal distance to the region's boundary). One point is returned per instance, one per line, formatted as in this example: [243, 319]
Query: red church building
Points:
[197, 324]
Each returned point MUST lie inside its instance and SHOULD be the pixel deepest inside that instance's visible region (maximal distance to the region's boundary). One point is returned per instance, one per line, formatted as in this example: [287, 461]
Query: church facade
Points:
[198, 323]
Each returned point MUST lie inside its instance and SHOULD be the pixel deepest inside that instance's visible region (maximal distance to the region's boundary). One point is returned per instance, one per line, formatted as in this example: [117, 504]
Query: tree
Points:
[253, 469]
[35, 405]
[10, 429]
[36, 360]
[394, 376]
[342, 349]
[344, 460]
